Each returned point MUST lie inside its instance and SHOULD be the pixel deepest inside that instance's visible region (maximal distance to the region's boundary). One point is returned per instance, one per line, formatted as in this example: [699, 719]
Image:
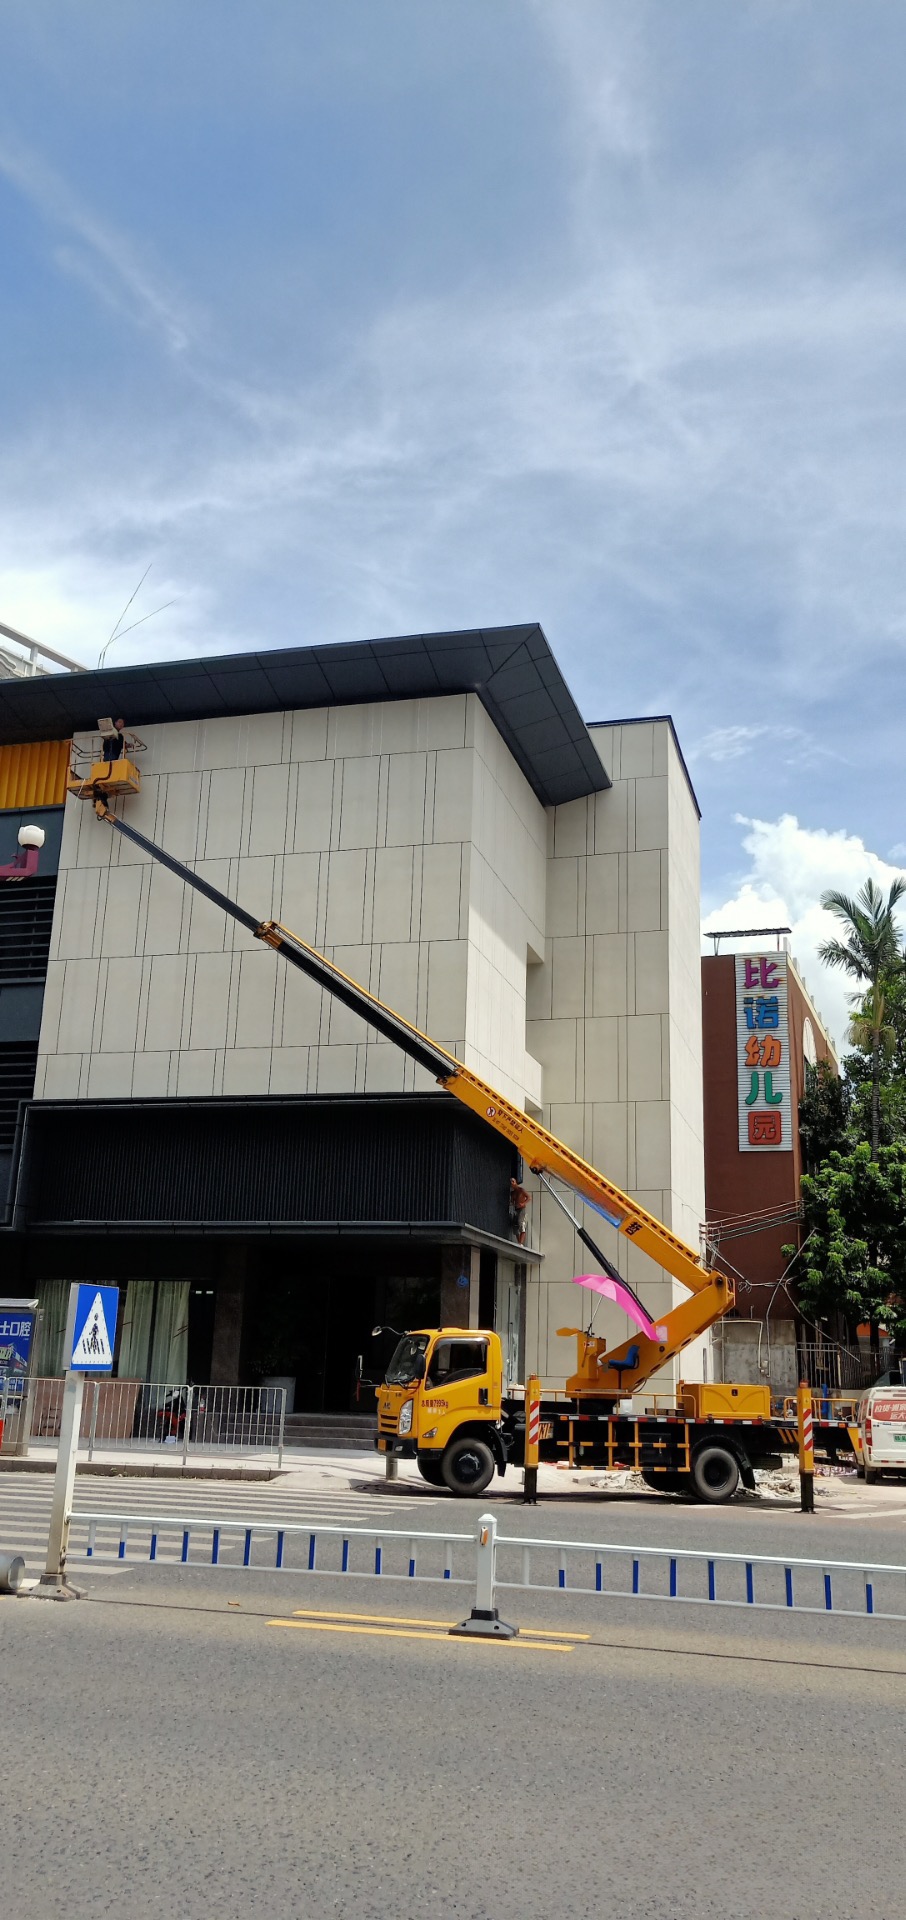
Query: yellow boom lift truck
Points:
[445, 1402]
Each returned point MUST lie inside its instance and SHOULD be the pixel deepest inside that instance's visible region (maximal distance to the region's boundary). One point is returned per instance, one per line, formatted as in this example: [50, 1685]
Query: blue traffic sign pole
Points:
[88, 1348]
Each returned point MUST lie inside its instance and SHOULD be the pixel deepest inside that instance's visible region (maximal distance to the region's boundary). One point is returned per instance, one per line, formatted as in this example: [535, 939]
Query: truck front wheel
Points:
[715, 1474]
[432, 1471]
[468, 1465]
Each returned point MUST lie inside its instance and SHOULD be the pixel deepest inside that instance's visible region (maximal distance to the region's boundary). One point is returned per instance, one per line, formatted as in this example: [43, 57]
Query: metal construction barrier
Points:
[696, 1577]
[496, 1563]
[265, 1546]
[825, 1407]
[146, 1415]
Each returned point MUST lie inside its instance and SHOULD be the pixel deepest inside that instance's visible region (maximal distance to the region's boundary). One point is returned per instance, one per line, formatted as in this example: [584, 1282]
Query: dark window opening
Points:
[26, 920]
[18, 1065]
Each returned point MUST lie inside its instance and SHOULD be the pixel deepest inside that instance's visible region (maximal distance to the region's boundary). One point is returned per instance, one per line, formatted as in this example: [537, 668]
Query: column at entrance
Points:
[509, 1317]
[228, 1309]
[459, 1269]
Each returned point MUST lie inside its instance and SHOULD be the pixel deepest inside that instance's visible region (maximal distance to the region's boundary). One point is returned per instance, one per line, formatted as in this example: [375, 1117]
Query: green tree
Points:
[870, 954]
[824, 1115]
[854, 1258]
[857, 1079]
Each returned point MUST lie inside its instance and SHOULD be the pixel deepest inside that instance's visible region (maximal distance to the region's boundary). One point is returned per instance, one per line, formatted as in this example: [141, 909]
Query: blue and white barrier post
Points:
[484, 1621]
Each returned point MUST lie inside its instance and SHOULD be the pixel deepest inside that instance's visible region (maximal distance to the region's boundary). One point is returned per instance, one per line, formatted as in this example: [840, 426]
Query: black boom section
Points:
[381, 1018]
[184, 873]
[384, 1021]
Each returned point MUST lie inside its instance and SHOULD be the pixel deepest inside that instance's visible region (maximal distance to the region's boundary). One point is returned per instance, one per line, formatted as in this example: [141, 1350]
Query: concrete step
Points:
[328, 1430]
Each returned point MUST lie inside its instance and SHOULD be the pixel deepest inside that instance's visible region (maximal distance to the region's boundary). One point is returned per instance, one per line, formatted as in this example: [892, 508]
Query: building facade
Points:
[268, 1178]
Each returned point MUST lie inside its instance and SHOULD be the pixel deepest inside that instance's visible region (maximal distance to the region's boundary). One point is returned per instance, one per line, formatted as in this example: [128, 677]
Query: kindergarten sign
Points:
[763, 1053]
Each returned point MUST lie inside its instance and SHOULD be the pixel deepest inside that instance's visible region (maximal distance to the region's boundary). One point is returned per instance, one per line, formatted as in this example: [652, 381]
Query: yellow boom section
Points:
[626, 1367]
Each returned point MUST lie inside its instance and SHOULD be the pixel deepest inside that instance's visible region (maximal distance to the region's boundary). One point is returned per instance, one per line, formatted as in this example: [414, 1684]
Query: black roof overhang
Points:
[511, 669]
[321, 1166]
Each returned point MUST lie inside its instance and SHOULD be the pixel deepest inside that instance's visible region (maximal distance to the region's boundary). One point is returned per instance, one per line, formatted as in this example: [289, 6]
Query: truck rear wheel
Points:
[715, 1473]
[468, 1465]
[666, 1482]
[432, 1471]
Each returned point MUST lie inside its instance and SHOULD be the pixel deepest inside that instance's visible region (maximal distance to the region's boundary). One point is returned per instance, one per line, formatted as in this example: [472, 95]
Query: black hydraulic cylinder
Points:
[612, 1272]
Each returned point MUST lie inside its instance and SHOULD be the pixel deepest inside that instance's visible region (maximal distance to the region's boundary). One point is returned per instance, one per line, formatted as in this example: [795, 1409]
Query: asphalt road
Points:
[178, 1746]
[852, 1524]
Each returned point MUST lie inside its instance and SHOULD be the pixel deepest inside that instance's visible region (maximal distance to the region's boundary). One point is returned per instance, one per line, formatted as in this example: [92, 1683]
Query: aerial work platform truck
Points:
[445, 1402]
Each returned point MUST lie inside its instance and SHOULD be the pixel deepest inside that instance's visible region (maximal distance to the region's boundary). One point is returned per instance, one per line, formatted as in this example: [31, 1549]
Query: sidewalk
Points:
[302, 1466]
[306, 1469]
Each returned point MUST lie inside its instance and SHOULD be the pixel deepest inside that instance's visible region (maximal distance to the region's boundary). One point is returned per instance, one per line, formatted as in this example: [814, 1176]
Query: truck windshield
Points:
[404, 1364]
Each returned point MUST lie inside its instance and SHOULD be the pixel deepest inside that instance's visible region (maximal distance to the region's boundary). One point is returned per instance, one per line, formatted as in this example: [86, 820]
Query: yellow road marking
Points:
[410, 1620]
[407, 1633]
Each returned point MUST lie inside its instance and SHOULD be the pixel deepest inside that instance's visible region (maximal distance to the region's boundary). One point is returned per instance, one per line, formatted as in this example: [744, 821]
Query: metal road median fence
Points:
[145, 1416]
[493, 1563]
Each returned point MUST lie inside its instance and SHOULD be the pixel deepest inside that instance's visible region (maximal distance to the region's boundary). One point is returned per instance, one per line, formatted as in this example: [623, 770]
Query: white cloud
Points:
[602, 58]
[793, 746]
[106, 259]
[790, 867]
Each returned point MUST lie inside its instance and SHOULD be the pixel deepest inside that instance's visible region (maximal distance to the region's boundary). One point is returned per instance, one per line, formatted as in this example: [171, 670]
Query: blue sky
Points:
[392, 315]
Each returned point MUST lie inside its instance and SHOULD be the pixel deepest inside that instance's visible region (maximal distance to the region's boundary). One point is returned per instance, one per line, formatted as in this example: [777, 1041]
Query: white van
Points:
[882, 1431]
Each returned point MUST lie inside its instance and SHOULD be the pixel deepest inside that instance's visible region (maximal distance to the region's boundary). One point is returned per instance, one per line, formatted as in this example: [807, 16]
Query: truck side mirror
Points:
[418, 1367]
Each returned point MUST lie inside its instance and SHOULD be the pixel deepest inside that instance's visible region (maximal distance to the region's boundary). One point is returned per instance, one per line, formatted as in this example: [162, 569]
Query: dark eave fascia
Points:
[511, 669]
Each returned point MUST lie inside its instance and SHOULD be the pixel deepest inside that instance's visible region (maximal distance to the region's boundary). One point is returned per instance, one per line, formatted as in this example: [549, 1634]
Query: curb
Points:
[151, 1469]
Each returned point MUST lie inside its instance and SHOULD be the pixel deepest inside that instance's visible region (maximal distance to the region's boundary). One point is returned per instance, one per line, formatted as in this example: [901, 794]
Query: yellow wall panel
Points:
[34, 775]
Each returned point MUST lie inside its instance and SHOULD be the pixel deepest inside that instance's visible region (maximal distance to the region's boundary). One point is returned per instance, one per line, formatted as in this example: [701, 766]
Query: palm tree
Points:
[871, 955]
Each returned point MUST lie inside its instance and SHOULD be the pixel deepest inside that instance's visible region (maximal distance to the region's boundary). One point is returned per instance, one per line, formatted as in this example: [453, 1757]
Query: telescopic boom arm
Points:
[627, 1366]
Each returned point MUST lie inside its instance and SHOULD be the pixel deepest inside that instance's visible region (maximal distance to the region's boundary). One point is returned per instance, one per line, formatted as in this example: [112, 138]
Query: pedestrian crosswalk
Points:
[25, 1501]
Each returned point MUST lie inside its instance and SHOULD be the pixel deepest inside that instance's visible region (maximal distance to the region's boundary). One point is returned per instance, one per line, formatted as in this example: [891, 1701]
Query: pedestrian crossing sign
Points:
[91, 1328]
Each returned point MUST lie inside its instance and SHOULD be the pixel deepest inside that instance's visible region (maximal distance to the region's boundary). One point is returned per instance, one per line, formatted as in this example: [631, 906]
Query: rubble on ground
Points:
[778, 1483]
[621, 1480]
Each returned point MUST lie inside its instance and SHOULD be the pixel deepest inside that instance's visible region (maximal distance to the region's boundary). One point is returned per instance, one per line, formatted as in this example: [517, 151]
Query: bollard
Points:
[806, 1449]
[12, 1572]
[532, 1440]
[187, 1424]
[484, 1621]
[391, 1466]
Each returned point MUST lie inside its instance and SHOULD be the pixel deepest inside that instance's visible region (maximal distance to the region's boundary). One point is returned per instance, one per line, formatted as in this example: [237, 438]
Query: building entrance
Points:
[314, 1325]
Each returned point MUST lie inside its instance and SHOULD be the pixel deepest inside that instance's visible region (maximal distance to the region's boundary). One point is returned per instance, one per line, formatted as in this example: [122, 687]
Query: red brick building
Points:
[760, 1028]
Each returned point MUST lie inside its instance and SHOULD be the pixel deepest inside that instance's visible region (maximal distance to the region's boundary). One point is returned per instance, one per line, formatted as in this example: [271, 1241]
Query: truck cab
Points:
[440, 1405]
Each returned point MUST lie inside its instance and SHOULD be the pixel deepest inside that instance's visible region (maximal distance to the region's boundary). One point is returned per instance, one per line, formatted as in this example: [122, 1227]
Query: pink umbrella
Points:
[618, 1291]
